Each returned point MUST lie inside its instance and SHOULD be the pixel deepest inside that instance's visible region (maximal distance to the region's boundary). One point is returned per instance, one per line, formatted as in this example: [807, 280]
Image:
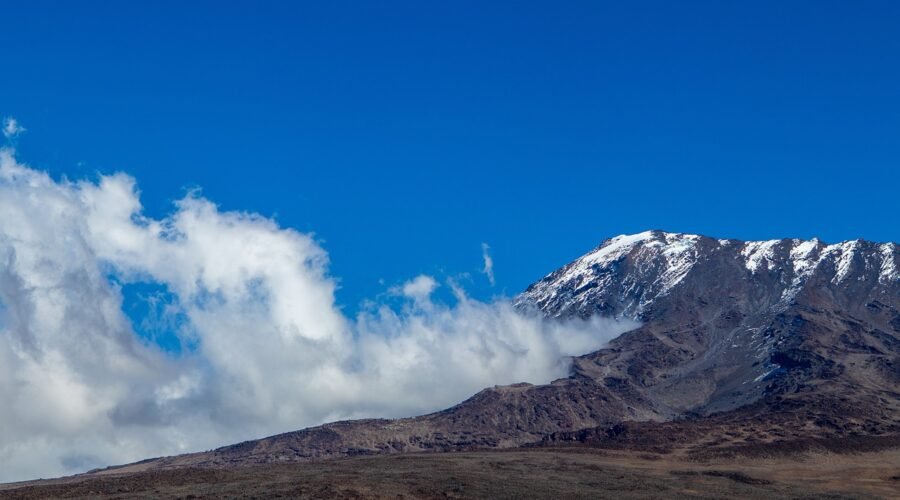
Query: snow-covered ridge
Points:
[676, 250]
[615, 247]
[759, 253]
[805, 256]
[659, 261]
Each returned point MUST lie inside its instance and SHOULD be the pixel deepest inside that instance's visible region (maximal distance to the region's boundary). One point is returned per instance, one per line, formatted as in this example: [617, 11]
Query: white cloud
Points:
[488, 269]
[419, 288]
[11, 127]
[273, 350]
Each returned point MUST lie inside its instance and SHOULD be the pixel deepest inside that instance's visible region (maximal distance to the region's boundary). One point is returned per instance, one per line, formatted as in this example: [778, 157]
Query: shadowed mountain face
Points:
[740, 342]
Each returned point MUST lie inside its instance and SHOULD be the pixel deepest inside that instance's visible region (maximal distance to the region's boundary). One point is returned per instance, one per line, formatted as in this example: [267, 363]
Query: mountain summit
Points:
[625, 275]
[727, 322]
[741, 344]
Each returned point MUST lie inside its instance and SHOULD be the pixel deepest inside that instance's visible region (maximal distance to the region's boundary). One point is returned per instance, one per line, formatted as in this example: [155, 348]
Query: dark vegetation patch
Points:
[784, 448]
[737, 476]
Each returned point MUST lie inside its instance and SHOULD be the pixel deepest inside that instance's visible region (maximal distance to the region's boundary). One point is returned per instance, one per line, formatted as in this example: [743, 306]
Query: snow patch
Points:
[616, 247]
[759, 253]
[764, 375]
[889, 272]
[847, 251]
[804, 261]
[680, 256]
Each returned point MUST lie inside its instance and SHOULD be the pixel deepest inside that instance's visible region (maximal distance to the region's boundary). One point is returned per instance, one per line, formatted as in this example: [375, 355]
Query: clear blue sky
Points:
[406, 134]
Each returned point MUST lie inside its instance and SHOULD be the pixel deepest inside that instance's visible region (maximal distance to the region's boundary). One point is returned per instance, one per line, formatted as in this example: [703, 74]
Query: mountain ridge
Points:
[784, 339]
[804, 255]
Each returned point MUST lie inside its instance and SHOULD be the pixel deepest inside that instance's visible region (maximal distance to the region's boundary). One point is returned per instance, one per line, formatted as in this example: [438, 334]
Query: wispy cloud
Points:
[488, 269]
[11, 127]
[272, 350]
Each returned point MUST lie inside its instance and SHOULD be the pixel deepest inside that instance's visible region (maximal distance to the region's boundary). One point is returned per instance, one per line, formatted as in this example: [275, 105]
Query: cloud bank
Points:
[270, 351]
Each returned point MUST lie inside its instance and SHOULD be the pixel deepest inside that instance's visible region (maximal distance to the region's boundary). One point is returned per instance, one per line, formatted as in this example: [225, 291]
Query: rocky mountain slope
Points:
[727, 322]
[741, 343]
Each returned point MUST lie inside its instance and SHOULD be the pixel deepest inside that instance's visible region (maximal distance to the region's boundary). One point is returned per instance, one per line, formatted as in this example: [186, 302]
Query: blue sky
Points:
[406, 134]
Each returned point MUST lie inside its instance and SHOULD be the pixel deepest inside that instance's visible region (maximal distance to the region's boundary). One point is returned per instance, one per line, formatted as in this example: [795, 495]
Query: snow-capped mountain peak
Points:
[626, 274]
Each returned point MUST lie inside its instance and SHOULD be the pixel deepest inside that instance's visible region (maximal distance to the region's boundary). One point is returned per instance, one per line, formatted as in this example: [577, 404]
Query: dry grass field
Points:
[538, 473]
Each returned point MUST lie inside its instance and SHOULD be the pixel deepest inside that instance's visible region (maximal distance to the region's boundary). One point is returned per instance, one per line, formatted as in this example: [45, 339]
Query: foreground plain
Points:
[538, 473]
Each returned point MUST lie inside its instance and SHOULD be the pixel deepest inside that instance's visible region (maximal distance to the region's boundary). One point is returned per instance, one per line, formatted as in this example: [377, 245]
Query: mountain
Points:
[743, 346]
[727, 322]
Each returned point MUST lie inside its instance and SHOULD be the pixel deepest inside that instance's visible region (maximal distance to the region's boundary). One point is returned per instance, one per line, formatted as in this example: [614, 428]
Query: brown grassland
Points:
[531, 473]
